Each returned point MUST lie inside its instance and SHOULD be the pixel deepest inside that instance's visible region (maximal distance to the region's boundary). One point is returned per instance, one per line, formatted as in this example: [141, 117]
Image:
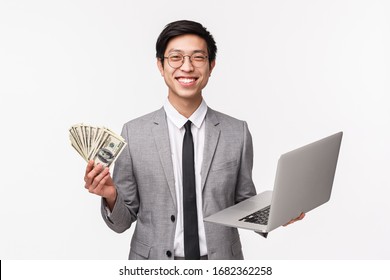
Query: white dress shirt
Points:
[176, 131]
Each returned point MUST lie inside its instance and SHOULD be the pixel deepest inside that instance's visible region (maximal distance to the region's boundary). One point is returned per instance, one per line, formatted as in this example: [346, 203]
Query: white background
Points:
[296, 71]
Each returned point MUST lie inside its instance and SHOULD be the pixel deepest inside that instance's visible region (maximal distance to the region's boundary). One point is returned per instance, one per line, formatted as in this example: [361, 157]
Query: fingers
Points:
[100, 183]
[89, 168]
[95, 176]
[91, 172]
[300, 217]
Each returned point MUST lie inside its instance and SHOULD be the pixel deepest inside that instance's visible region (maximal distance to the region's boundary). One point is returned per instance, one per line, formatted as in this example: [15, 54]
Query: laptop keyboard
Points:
[258, 217]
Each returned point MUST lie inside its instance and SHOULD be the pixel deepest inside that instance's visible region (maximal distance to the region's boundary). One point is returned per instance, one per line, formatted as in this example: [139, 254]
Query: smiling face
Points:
[186, 82]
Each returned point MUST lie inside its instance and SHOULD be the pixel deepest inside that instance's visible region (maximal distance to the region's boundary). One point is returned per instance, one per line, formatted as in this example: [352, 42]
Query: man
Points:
[183, 162]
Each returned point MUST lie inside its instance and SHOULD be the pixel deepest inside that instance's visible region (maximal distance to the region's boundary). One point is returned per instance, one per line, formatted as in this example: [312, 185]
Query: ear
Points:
[160, 66]
[212, 65]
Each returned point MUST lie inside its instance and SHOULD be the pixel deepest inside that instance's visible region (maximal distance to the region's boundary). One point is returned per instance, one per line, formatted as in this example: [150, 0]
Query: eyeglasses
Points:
[176, 60]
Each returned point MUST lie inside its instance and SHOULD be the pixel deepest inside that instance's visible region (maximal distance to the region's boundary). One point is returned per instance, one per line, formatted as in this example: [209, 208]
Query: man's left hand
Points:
[300, 217]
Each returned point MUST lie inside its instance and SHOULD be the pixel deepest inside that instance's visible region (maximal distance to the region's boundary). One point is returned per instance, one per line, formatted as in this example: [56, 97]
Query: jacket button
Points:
[169, 254]
[173, 218]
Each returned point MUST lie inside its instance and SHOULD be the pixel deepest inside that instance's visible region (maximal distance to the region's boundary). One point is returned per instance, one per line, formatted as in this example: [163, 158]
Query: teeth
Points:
[186, 80]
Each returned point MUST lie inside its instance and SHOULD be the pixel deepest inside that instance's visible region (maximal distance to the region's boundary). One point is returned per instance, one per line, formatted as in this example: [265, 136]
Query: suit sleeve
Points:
[245, 187]
[126, 206]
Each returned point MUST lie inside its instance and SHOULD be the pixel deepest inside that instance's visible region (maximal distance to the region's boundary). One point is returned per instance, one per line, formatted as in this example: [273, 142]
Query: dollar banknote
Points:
[98, 143]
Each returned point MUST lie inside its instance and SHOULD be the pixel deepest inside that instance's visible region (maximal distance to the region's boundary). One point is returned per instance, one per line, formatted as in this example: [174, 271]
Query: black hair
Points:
[183, 27]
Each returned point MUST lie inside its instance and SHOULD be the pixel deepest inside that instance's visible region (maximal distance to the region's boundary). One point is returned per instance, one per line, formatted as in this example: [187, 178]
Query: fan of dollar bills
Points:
[97, 143]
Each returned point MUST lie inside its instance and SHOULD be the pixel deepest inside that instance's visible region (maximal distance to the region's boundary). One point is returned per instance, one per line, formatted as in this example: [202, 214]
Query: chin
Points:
[188, 94]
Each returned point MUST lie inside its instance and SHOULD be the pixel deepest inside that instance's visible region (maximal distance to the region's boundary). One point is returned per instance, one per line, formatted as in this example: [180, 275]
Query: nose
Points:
[187, 64]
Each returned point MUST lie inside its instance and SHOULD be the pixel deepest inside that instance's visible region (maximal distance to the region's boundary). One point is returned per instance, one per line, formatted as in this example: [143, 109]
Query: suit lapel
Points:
[212, 132]
[161, 139]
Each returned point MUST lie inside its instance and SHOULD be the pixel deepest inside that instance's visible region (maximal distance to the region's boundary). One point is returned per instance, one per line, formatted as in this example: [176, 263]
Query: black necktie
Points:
[191, 238]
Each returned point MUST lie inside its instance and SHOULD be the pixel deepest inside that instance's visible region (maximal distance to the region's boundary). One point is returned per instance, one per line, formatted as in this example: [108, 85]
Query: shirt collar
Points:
[179, 120]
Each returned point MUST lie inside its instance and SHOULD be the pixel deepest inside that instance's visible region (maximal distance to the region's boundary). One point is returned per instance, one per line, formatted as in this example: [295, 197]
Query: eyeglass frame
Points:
[184, 56]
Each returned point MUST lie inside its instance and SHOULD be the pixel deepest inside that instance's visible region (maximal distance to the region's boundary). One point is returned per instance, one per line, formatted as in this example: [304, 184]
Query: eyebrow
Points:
[181, 51]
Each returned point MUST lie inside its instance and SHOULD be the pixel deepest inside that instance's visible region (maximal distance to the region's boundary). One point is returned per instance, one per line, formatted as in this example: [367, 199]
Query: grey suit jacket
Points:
[143, 176]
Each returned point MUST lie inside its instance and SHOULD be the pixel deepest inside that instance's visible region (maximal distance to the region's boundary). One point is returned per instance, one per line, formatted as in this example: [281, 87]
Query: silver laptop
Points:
[304, 180]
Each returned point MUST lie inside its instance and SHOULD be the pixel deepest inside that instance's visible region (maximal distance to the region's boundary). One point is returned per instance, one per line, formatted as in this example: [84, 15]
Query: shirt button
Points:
[173, 218]
[169, 254]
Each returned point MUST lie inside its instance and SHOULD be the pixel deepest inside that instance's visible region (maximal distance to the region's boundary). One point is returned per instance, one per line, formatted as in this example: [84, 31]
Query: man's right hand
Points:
[98, 181]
